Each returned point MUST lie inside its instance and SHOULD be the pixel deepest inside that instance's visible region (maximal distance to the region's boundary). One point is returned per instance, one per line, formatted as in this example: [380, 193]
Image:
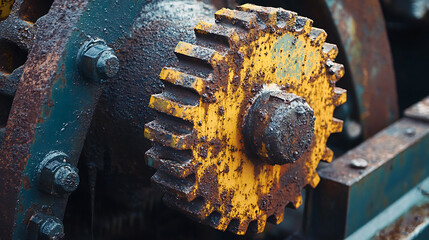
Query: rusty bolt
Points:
[45, 227]
[278, 127]
[359, 163]
[56, 175]
[97, 61]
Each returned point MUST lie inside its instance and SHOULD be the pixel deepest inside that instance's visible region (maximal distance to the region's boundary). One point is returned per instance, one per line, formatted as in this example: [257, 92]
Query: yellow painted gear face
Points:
[5, 8]
[199, 148]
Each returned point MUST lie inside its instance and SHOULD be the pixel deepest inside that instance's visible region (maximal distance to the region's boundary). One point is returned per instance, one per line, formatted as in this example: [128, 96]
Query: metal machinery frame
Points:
[72, 81]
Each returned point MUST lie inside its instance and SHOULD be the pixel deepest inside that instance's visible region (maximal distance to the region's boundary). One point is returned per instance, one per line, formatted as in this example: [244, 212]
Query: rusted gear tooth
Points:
[265, 14]
[328, 155]
[335, 70]
[183, 188]
[238, 226]
[330, 51]
[260, 223]
[302, 24]
[195, 53]
[218, 169]
[157, 131]
[224, 34]
[340, 96]
[162, 103]
[196, 208]
[241, 19]
[315, 181]
[276, 218]
[297, 202]
[317, 36]
[286, 19]
[176, 163]
[185, 80]
[337, 125]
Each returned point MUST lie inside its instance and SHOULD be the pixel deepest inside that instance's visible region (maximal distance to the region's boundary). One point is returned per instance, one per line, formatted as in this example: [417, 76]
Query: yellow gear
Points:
[199, 148]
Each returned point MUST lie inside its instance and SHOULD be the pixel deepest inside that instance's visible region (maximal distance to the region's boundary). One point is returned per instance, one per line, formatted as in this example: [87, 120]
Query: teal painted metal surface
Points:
[398, 219]
[347, 198]
[66, 114]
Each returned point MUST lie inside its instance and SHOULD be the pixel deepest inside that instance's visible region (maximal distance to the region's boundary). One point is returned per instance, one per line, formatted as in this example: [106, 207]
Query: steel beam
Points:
[348, 196]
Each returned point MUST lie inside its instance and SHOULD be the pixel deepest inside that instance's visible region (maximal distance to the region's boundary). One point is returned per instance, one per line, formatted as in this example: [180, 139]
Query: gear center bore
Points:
[278, 127]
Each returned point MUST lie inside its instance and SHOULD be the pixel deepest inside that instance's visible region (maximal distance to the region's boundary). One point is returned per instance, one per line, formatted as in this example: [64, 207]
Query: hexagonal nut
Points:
[45, 227]
[97, 61]
[57, 176]
[107, 65]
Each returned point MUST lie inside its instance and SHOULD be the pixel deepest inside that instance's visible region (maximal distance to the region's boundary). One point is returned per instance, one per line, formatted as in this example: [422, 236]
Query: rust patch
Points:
[406, 225]
[27, 106]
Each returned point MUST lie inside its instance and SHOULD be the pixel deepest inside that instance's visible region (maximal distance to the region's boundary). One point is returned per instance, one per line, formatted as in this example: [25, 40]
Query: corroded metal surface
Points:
[408, 226]
[363, 36]
[419, 110]
[118, 125]
[53, 106]
[347, 198]
[28, 105]
[198, 145]
[19, 34]
[278, 127]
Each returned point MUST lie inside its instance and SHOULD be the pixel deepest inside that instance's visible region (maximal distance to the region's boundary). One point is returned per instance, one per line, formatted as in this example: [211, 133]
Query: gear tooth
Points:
[337, 125]
[224, 34]
[335, 70]
[302, 24]
[261, 222]
[297, 202]
[328, 155]
[185, 80]
[164, 104]
[203, 55]
[315, 181]
[267, 14]
[317, 36]
[238, 226]
[242, 19]
[279, 217]
[218, 221]
[196, 208]
[156, 131]
[286, 19]
[340, 96]
[276, 218]
[330, 51]
[183, 188]
[179, 164]
[223, 223]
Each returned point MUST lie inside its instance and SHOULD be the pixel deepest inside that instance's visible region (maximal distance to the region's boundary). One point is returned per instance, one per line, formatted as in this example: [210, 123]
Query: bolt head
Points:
[56, 175]
[278, 127]
[97, 61]
[66, 179]
[45, 227]
[51, 229]
[107, 65]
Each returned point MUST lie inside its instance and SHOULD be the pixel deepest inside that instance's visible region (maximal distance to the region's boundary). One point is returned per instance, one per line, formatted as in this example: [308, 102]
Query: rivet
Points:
[359, 163]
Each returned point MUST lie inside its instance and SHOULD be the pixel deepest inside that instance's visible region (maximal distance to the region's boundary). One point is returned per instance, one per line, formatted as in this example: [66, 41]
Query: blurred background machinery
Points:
[85, 85]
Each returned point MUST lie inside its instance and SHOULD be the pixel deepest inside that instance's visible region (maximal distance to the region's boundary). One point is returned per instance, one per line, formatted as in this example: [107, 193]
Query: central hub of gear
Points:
[278, 127]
